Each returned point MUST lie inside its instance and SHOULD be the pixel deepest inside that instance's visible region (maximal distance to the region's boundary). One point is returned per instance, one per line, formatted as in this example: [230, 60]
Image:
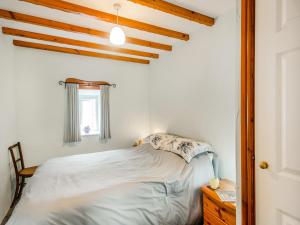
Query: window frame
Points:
[98, 105]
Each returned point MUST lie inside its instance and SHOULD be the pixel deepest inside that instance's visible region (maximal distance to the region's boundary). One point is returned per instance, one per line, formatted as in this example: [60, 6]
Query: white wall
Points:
[40, 102]
[192, 90]
[7, 120]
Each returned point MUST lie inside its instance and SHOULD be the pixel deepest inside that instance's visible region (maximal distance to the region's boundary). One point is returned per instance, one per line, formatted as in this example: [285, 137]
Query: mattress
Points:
[137, 186]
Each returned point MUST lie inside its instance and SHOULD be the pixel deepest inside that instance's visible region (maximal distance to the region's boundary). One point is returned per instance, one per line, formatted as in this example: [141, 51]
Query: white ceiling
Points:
[212, 8]
[131, 10]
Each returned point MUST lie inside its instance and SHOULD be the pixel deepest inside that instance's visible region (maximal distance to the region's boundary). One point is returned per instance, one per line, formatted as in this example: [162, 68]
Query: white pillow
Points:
[186, 148]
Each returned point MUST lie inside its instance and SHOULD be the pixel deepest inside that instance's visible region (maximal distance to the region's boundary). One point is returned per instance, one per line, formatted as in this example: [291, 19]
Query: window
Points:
[89, 111]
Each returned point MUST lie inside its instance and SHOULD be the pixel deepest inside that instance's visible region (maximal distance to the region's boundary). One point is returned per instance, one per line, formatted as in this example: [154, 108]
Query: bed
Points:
[137, 186]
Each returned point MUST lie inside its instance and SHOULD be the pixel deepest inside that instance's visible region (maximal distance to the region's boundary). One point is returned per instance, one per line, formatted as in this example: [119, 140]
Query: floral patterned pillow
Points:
[156, 140]
[186, 148]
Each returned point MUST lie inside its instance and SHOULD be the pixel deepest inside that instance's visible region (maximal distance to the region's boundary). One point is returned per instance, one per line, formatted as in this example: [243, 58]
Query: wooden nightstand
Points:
[215, 211]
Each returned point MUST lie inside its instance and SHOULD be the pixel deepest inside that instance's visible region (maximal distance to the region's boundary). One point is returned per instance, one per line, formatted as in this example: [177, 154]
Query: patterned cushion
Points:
[186, 148]
[156, 140]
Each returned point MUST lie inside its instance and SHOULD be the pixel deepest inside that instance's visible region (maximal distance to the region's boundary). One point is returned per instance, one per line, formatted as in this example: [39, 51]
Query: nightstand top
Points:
[224, 185]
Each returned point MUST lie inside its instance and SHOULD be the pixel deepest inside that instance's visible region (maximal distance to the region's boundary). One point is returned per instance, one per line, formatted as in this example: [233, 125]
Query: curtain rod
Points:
[63, 82]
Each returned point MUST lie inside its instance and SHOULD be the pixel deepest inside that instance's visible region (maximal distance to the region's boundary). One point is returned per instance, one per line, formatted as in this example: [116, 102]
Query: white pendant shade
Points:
[117, 36]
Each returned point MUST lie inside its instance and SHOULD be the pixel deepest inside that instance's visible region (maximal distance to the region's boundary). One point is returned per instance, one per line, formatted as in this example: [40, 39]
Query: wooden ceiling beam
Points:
[20, 17]
[177, 11]
[107, 17]
[77, 52]
[68, 41]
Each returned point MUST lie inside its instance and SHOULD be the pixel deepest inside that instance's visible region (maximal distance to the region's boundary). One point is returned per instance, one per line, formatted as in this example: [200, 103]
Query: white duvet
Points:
[119, 187]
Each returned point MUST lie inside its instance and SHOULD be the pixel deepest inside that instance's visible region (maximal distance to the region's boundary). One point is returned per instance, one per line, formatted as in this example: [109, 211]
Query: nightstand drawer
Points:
[210, 219]
[211, 206]
[227, 217]
[218, 212]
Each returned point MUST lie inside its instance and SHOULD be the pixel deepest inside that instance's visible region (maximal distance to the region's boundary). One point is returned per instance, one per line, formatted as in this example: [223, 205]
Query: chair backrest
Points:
[14, 156]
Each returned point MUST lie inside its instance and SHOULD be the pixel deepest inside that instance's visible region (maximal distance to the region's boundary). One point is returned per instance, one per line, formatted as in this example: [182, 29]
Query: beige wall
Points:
[40, 115]
[7, 120]
[193, 90]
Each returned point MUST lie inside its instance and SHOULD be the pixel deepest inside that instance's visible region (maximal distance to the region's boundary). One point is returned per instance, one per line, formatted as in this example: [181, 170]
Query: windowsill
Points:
[90, 134]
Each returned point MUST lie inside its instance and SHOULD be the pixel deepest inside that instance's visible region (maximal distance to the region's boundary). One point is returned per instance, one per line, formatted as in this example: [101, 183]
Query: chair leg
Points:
[21, 187]
[16, 193]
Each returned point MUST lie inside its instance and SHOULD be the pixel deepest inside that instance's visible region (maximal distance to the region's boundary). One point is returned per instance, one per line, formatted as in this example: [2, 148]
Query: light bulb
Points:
[117, 36]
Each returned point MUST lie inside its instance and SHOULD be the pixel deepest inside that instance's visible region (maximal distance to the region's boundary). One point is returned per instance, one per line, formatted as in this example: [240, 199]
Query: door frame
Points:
[247, 112]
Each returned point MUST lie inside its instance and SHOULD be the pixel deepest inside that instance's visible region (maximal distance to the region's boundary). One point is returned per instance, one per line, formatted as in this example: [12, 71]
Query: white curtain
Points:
[105, 134]
[72, 123]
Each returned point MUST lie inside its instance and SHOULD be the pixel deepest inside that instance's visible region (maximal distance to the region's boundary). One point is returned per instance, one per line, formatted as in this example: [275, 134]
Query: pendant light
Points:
[117, 35]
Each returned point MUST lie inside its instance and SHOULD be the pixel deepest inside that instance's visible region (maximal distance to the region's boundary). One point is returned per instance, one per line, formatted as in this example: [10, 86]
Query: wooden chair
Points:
[21, 173]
